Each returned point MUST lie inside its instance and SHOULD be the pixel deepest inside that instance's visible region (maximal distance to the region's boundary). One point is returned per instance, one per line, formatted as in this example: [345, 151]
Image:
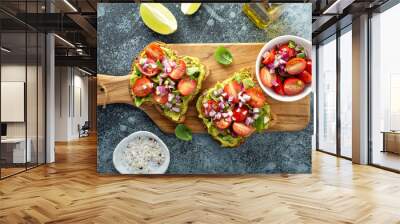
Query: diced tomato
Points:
[257, 98]
[293, 86]
[223, 123]
[295, 66]
[242, 129]
[178, 71]
[160, 99]
[268, 79]
[269, 57]
[285, 49]
[309, 66]
[240, 113]
[305, 76]
[211, 105]
[154, 51]
[142, 87]
[279, 87]
[232, 90]
[149, 70]
[187, 86]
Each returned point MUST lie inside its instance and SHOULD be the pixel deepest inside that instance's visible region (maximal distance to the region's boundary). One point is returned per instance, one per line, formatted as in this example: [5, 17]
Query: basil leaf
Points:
[223, 56]
[182, 132]
[291, 44]
[259, 123]
[193, 71]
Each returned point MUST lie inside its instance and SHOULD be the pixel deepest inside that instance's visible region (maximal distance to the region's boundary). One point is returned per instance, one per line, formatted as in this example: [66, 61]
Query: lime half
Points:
[190, 8]
[158, 18]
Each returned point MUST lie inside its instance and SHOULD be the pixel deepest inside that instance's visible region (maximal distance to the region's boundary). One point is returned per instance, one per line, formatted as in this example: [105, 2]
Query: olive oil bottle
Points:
[262, 14]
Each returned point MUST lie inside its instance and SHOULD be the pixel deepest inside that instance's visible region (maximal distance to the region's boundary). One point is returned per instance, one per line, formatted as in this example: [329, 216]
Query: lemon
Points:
[158, 18]
[190, 8]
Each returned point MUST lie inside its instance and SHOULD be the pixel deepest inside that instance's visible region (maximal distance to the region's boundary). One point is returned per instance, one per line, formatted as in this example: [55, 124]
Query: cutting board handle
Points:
[113, 89]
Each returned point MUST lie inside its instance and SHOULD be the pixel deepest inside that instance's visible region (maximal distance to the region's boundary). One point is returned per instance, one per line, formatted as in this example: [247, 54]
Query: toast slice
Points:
[234, 109]
[168, 81]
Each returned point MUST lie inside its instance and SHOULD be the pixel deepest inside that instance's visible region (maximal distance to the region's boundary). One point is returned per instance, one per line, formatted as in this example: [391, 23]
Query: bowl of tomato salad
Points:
[284, 68]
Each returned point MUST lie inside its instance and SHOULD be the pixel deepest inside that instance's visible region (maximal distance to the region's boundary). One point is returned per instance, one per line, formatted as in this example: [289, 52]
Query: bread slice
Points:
[227, 137]
[192, 64]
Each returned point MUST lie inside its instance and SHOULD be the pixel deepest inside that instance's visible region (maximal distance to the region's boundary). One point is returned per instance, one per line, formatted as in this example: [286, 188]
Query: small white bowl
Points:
[270, 45]
[123, 168]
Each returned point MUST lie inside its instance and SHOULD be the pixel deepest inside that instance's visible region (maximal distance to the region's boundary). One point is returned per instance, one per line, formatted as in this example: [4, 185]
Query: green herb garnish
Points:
[223, 56]
[248, 83]
[193, 71]
[301, 55]
[292, 44]
[259, 123]
[137, 71]
[182, 132]
[159, 65]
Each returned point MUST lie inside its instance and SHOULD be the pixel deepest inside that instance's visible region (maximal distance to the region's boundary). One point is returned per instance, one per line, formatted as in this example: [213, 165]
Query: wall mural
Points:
[204, 88]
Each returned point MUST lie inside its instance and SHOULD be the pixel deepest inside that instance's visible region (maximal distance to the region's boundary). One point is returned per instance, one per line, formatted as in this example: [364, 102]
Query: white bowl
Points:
[271, 44]
[124, 168]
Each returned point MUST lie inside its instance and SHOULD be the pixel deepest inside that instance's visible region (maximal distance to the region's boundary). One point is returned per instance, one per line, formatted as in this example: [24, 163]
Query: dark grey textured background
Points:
[122, 34]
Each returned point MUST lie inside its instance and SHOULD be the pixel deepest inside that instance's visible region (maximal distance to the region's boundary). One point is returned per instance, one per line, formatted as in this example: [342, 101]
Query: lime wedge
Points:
[190, 8]
[158, 18]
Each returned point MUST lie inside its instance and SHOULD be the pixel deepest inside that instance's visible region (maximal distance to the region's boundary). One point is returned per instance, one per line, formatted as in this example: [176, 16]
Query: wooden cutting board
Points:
[286, 116]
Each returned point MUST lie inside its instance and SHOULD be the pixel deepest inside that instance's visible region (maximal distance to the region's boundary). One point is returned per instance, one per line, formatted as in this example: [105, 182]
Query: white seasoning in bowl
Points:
[144, 154]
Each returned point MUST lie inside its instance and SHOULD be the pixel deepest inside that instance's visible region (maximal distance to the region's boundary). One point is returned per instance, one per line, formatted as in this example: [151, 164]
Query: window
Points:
[327, 96]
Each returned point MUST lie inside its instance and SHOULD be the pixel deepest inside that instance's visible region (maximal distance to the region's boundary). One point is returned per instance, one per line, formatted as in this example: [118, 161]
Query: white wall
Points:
[71, 93]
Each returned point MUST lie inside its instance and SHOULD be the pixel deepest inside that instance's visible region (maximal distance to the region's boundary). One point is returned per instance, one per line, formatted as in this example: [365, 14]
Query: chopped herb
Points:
[248, 83]
[291, 44]
[159, 65]
[301, 55]
[259, 123]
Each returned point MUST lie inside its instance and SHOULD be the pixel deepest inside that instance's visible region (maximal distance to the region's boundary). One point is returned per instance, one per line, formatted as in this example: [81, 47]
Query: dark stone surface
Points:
[122, 34]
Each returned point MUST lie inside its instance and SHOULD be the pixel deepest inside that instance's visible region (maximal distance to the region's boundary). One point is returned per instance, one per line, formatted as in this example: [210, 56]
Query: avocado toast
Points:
[169, 81]
[233, 109]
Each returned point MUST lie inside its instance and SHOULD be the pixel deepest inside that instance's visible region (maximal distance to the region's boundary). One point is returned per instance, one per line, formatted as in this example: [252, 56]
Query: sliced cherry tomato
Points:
[149, 70]
[178, 71]
[279, 88]
[240, 113]
[257, 98]
[142, 87]
[211, 105]
[309, 66]
[223, 123]
[187, 86]
[160, 99]
[154, 51]
[268, 79]
[295, 66]
[286, 50]
[293, 86]
[305, 76]
[232, 90]
[242, 130]
[269, 57]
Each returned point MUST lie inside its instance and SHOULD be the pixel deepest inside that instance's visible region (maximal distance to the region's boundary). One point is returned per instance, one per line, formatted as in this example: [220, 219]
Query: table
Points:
[391, 141]
[18, 149]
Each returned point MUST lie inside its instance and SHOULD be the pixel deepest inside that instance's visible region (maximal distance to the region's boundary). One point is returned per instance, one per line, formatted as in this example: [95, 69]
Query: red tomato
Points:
[295, 66]
[305, 76]
[268, 79]
[187, 86]
[257, 98]
[285, 49]
[279, 87]
[223, 123]
[149, 71]
[154, 51]
[309, 66]
[178, 71]
[269, 57]
[242, 129]
[232, 90]
[160, 99]
[293, 86]
[211, 105]
[142, 87]
[240, 113]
